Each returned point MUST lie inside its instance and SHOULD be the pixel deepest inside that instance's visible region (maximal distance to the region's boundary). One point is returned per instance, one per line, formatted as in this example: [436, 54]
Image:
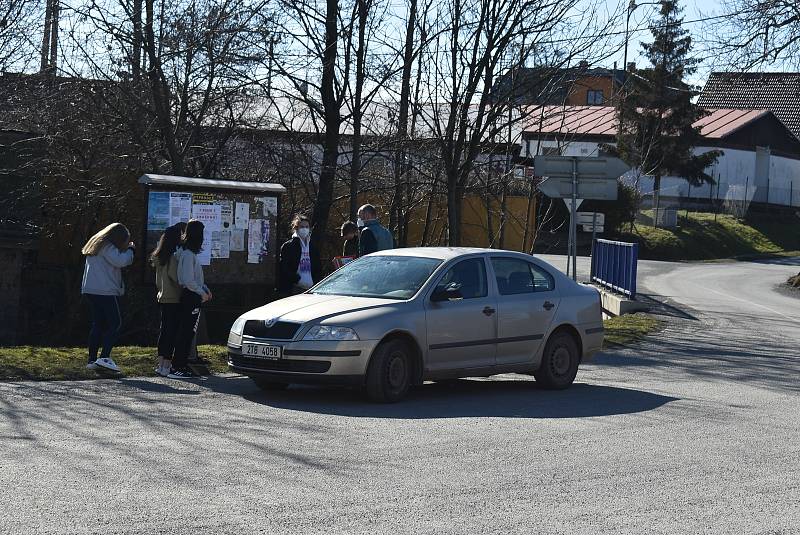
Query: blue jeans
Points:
[106, 324]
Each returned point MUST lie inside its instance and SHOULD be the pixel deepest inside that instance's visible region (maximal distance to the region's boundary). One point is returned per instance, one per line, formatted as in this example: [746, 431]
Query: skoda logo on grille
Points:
[270, 322]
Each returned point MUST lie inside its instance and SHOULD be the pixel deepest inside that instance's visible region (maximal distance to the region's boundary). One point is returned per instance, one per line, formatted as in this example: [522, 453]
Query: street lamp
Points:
[631, 8]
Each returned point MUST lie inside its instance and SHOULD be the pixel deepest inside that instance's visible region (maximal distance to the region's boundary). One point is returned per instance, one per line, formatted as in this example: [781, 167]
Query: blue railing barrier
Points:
[614, 265]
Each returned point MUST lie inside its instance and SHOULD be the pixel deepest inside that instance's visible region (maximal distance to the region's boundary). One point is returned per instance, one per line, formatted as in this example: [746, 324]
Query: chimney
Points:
[583, 65]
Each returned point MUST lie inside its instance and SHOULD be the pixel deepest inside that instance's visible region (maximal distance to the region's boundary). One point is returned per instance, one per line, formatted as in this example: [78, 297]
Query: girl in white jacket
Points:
[194, 293]
[107, 252]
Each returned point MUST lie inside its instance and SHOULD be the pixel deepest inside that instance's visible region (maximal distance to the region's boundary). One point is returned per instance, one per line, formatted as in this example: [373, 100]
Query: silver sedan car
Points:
[396, 318]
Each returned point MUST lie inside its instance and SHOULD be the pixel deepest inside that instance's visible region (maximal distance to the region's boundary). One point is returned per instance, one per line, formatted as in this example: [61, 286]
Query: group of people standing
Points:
[180, 284]
[299, 259]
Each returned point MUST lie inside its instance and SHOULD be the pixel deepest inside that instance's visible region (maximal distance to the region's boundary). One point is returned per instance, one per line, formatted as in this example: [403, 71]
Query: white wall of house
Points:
[735, 172]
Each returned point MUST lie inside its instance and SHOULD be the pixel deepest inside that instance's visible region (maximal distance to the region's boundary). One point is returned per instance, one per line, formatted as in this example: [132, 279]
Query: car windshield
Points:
[388, 277]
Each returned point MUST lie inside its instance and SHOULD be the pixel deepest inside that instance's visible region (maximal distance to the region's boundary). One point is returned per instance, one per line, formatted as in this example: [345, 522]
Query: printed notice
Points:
[237, 239]
[254, 241]
[209, 214]
[270, 206]
[180, 207]
[221, 244]
[226, 214]
[158, 210]
[242, 215]
[205, 253]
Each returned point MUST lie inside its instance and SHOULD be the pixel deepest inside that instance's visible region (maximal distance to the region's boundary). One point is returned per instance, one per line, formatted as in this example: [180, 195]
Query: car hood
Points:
[314, 307]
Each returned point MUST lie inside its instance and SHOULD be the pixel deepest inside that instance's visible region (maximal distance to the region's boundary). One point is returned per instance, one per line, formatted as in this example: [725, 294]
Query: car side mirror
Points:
[448, 293]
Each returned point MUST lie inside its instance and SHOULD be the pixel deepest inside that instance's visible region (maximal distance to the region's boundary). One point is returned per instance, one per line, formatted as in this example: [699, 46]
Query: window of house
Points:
[551, 151]
[594, 97]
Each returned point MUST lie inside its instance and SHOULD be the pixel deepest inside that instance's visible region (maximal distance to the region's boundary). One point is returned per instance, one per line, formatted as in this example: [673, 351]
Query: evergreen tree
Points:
[656, 110]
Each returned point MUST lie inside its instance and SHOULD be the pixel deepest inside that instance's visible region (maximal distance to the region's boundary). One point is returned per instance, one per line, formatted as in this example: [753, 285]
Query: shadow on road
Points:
[470, 398]
[789, 261]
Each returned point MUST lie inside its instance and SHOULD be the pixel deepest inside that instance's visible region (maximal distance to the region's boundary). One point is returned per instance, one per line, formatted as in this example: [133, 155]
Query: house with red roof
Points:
[760, 159]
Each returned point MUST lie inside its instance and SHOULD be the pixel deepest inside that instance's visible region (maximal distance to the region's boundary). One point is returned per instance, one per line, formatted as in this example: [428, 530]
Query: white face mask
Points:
[303, 232]
[359, 222]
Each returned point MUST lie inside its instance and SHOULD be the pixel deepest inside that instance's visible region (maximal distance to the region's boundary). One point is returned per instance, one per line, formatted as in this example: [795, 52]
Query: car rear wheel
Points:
[559, 364]
[389, 372]
[267, 385]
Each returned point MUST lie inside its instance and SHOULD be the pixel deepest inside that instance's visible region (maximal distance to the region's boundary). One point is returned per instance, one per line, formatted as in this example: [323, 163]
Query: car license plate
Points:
[262, 351]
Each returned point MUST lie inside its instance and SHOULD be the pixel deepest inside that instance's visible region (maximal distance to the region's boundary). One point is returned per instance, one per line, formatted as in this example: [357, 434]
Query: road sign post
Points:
[572, 177]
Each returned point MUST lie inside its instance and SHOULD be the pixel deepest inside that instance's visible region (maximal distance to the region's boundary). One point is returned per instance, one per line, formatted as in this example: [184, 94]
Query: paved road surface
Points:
[694, 431]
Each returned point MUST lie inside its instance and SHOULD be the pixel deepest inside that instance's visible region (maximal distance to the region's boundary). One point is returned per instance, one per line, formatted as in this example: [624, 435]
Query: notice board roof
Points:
[210, 183]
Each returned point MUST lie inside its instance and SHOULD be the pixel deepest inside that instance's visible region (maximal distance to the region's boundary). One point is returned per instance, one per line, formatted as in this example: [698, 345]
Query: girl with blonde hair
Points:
[107, 252]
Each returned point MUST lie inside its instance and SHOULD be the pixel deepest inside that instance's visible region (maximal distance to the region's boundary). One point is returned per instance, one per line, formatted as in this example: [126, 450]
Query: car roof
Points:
[443, 253]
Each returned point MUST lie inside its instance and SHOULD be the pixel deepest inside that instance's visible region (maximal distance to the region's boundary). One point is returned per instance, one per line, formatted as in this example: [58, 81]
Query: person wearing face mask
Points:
[299, 260]
[374, 236]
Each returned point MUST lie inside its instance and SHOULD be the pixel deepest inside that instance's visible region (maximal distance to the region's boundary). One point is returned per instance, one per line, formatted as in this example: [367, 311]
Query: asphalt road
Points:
[696, 430]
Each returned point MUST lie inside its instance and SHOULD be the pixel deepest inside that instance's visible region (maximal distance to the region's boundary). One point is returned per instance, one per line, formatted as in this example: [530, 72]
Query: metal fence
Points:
[614, 265]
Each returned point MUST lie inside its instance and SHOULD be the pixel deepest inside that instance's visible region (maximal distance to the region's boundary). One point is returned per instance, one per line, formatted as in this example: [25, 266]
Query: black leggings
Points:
[188, 319]
[170, 316]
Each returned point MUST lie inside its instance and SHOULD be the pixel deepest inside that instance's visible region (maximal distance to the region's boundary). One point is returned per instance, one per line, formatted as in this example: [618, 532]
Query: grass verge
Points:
[62, 363]
[629, 328]
[701, 236]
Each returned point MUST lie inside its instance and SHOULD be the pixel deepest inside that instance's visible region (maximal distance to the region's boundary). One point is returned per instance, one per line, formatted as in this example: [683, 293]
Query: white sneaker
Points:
[91, 366]
[163, 371]
[108, 364]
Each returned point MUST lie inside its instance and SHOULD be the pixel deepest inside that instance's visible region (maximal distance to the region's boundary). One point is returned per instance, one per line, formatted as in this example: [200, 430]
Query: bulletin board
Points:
[240, 241]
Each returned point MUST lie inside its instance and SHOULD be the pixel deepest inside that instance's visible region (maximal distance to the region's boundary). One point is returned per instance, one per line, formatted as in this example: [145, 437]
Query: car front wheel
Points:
[559, 364]
[389, 372]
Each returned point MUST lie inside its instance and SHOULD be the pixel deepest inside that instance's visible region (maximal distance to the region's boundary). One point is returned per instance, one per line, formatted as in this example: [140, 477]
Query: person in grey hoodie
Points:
[194, 293]
[107, 252]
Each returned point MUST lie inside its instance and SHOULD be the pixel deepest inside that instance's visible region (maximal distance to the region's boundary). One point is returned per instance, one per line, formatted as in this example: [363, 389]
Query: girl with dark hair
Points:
[194, 293]
[165, 263]
[107, 252]
[299, 260]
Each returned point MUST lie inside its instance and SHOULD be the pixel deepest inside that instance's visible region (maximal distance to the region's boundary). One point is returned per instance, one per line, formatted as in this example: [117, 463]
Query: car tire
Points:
[269, 386]
[389, 373]
[559, 364]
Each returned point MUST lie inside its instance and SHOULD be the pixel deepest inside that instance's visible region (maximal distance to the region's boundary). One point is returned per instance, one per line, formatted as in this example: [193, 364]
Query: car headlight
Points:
[235, 336]
[324, 332]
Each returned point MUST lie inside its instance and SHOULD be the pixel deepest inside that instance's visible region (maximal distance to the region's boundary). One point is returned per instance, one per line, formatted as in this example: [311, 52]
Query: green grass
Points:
[61, 363]
[628, 328]
[700, 237]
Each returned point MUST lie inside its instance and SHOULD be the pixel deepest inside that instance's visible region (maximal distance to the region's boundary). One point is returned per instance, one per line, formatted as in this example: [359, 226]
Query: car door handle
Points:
[548, 305]
[488, 311]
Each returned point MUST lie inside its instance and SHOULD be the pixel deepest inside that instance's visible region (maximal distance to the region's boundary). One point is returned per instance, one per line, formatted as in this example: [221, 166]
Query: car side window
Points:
[542, 280]
[515, 276]
[470, 275]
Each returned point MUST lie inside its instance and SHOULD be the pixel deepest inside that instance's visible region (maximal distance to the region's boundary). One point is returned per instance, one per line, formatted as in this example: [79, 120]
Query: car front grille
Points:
[281, 330]
[284, 365]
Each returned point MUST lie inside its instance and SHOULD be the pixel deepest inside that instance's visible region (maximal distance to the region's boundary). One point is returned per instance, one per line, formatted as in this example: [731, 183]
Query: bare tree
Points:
[17, 17]
[757, 32]
[480, 40]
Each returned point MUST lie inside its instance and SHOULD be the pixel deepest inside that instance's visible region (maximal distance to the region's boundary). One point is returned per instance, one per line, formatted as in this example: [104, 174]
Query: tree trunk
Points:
[136, 55]
[48, 21]
[160, 94]
[656, 198]
[400, 167]
[454, 196]
[503, 207]
[355, 163]
[332, 117]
